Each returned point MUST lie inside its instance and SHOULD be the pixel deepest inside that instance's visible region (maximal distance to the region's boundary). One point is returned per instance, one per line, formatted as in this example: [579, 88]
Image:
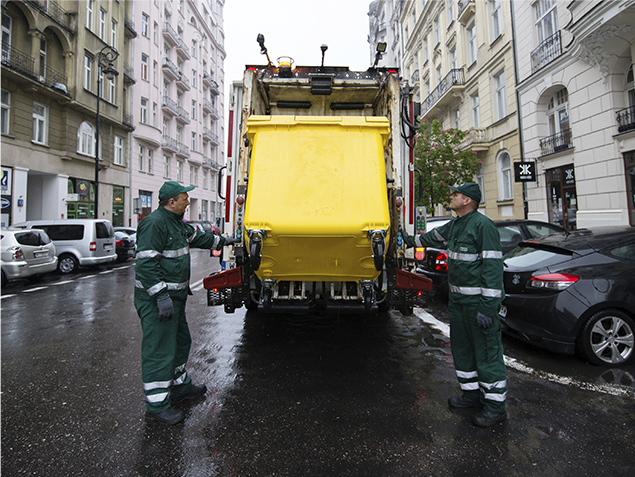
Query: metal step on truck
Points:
[314, 191]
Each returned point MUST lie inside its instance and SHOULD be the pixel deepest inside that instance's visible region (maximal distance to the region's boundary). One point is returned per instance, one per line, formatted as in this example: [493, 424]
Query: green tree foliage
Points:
[442, 162]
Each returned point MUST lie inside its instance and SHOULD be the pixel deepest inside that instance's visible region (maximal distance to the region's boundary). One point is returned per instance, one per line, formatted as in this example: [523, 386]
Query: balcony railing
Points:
[170, 68]
[207, 105]
[547, 51]
[210, 163]
[557, 142]
[128, 73]
[129, 27]
[454, 77]
[183, 115]
[183, 81]
[183, 150]
[182, 49]
[54, 11]
[170, 34]
[24, 64]
[128, 121]
[170, 105]
[170, 143]
[626, 119]
[207, 80]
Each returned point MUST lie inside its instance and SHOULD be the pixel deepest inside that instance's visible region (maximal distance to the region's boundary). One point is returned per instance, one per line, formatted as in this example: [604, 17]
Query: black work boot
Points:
[195, 392]
[488, 419]
[463, 402]
[169, 416]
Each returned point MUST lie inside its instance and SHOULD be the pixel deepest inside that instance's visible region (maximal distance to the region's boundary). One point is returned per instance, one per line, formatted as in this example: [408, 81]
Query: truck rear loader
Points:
[315, 194]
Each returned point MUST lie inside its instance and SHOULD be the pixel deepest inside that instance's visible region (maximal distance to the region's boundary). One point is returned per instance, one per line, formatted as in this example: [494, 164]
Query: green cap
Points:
[469, 189]
[172, 189]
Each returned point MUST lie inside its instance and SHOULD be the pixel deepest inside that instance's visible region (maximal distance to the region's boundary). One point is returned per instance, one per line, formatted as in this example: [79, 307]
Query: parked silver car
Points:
[26, 253]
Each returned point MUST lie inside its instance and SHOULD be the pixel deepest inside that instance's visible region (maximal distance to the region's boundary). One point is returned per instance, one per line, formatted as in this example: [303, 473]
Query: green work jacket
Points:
[163, 255]
[475, 260]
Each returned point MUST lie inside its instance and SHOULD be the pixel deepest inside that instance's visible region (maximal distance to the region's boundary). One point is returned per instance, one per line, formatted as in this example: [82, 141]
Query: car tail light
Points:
[441, 262]
[93, 246]
[420, 253]
[552, 281]
[119, 242]
[16, 253]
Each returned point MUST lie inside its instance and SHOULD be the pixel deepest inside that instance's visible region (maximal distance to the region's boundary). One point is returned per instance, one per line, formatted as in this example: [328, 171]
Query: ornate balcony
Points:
[549, 50]
[170, 35]
[454, 82]
[52, 10]
[556, 143]
[626, 119]
[170, 144]
[169, 106]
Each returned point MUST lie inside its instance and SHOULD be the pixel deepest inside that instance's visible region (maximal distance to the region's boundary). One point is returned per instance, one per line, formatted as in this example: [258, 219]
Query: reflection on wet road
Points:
[289, 395]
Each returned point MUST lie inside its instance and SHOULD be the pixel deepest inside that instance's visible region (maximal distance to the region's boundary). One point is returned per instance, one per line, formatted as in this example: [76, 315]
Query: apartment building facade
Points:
[51, 57]
[178, 103]
[577, 95]
[458, 60]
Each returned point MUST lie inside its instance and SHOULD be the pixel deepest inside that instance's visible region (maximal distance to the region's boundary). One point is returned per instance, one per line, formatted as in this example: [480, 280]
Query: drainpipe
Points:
[518, 107]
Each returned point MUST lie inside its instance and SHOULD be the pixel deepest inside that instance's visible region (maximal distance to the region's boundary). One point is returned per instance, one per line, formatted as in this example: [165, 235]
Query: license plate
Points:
[107, 247]
[43, 253]
[503, 311]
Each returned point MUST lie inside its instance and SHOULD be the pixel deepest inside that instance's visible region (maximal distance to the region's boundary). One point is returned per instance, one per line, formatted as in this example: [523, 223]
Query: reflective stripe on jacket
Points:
[163, 254]
[475, 259]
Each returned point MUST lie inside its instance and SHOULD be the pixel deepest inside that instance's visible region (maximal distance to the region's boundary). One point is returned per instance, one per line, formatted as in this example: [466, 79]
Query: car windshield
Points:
[530, 257]
[433, 224]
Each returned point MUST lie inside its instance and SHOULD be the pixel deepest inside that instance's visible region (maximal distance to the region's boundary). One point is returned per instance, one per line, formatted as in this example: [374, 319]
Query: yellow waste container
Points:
[317, 185]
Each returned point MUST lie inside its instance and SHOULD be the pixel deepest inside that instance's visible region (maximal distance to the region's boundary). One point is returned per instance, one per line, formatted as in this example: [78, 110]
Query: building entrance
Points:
[561, 196]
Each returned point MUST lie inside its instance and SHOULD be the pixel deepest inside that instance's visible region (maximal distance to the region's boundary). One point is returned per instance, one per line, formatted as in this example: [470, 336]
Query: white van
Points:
[77, 241]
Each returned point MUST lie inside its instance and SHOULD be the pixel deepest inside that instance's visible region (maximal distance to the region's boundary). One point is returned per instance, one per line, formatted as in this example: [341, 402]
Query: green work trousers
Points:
[165, 348]
[478, 357]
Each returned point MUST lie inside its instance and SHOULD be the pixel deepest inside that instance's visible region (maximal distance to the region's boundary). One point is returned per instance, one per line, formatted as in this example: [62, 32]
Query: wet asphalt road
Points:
[289, 395]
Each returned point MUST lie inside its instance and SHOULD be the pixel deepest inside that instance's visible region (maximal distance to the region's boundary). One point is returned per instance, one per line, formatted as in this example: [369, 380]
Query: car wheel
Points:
[608, 338]
[67, 264]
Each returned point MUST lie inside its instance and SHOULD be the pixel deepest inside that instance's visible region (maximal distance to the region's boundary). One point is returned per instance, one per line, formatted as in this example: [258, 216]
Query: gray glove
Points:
[484, 321]
[405, 236]
[230, 240]
[166, 308]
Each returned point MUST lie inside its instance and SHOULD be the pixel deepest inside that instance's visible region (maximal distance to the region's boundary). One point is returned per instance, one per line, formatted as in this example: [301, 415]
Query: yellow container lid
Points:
[317, 185]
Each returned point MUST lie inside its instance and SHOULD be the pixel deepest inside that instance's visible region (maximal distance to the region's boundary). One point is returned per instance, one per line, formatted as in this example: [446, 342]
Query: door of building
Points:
[629, 166]
[561, 197]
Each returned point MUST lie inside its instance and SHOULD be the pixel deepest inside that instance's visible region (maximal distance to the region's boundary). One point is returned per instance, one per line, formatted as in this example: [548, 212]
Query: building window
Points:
[102, 24]
[476, 111]
[118, 158]
[471, 43]
[179, 171]
[86, 139]
[457, 118]
[40, 123]
[154, 114]
[88, 64]
[166, 167]
[150, 160]
[156, 33]
[42, 60]
[453, 59]
[424, 47]
[497, 18]
[193, 109]
[193, 142]
[142, 158]
[144, 25]
[155, 67]
[480, 180]
[193, 78]
[193, 48]
[6, 111]
[439, 74]
[558, 115]
[204, 179]
[450, 10]
[436, 31]
[6, 37]
[505, 176]
[90, 4]
[144, 67]
[546, 19]
[113, 33]
[112, 90]
[143, 119]
[500, 96]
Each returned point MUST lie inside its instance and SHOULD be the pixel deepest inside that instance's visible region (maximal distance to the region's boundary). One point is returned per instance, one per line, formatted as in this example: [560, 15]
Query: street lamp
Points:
[105, 58]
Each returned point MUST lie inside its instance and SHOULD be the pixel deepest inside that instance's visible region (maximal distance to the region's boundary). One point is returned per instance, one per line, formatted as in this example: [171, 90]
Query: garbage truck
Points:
[313, 191]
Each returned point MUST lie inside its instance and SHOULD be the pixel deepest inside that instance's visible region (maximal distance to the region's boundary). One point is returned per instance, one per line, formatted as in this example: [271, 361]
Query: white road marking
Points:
[106, 271]
[197, 285]
[62, 283]
[88, 276]
[8, 296]
[513, 363]
[34, 289]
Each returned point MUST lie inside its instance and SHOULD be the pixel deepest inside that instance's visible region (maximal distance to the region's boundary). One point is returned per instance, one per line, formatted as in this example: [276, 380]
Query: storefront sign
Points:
[5, 181]
[525, 171]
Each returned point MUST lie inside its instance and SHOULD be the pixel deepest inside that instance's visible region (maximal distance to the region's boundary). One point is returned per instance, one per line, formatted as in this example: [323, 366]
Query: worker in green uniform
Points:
[475, 279]
[162, 274]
